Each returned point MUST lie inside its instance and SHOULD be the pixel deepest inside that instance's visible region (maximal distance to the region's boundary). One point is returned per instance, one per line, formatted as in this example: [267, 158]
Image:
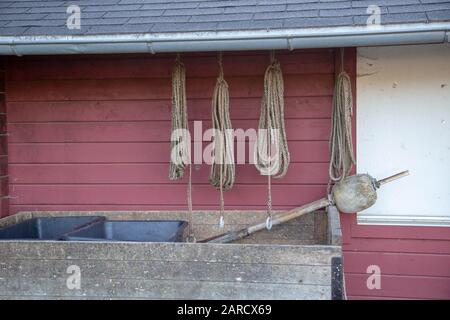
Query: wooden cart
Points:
[297, 260]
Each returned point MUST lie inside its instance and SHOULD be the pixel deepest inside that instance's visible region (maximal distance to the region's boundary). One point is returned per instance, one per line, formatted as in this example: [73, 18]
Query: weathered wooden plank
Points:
[334, 232]
[159, 88]
[204, 217]
[397, 245]
[168, 270]
[144, 131]
[123, 207]
[394, 286]
[161, 66]
[152, 173]
[155, 110]
[254, 239]
[16, 218]
[230, 253]
[132, 152]
[161, 194]
[18, 296]
[405, 264]
[399, 232]
[320, 227]
[162, 289]
[282, 232]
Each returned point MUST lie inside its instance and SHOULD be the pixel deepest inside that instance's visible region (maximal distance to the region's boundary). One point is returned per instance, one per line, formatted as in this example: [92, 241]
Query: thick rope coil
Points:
[271, 122]
[180, 143]
[222, 173]
[341, 145]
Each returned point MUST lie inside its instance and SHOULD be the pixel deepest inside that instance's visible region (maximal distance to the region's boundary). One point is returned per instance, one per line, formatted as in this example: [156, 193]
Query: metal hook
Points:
[269, 223]
[221, 222]
[290, 46]
[150, 47]
[191, 239]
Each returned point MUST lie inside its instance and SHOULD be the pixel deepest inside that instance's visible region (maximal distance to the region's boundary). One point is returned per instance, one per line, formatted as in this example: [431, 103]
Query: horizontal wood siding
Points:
[38, 270]
[92, 132]
[414, 261]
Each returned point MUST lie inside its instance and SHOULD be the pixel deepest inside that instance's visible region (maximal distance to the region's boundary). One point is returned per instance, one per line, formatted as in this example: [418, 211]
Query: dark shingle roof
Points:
[48, 17]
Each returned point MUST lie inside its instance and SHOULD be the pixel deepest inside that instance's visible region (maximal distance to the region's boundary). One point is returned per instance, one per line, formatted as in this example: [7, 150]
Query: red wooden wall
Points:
[92, 133]
[414, 261]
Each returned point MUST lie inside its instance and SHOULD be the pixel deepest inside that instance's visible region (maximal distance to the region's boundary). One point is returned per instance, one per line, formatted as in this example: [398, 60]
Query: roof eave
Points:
[290, 39]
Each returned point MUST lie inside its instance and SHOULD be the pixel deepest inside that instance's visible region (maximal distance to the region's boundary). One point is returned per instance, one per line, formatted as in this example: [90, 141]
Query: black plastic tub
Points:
[137, 231]
[48, 228]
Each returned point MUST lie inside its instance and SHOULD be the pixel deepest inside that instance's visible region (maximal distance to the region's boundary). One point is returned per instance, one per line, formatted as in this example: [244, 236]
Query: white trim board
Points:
[397, 220]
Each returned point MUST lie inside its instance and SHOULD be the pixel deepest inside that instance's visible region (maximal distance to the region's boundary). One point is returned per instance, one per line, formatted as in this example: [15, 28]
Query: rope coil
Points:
[222, 175]
[271, 122]
[341, 145]
[180, 142]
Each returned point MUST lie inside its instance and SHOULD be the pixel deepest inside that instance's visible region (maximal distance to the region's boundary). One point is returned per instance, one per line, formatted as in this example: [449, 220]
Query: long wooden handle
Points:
[392, 178]
[277, 219]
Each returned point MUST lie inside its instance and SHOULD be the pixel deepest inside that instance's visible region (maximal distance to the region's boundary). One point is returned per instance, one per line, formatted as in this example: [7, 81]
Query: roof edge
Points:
[395, 34]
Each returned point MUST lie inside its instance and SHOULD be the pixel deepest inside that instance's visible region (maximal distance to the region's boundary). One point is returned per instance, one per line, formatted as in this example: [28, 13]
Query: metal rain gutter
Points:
[228, 40]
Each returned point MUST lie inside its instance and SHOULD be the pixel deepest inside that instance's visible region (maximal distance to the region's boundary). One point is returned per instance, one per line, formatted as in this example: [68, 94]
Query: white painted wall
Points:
[403, 122]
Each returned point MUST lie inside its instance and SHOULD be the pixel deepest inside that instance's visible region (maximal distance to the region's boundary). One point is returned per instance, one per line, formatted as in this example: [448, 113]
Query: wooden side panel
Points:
[165, 271]
[92, 133]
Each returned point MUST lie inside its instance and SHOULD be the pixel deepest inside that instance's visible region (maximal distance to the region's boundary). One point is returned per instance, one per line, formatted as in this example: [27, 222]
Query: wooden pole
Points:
[289, 215]
[277, 219]
[392, 178]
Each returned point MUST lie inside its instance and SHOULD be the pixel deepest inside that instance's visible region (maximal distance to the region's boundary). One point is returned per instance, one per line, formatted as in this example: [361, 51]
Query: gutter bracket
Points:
[150, 47]
[13, 49]
[289, 44]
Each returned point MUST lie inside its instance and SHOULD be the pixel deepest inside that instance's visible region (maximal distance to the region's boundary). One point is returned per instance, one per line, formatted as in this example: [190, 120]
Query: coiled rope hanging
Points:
[341, 146]
[222, 173]
[271, 122]
[180, 143]
[178, 157]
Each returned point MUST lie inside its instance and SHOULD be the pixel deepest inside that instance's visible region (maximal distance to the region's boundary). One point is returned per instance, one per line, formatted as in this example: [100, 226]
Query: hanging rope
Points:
[180, 155]
[271, 122]
[222, 173]
[341, 146]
